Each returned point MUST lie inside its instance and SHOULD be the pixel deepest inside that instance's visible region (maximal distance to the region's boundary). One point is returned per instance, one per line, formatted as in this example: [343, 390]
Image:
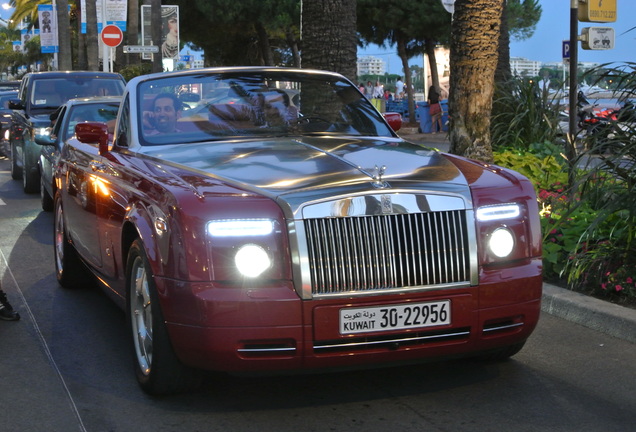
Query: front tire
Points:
[16, 170]
[45, 198]
[69, 269]
[30, 180]
[157, 367]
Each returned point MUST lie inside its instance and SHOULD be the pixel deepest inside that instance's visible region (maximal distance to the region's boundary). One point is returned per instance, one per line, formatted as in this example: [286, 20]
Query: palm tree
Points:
[25, 9]
[92, 46]
[473, 59]
[65, 59]
[132, 32]
[329, 39]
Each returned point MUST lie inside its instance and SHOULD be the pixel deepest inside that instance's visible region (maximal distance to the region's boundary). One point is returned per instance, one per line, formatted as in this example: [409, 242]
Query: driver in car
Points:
[166, 111]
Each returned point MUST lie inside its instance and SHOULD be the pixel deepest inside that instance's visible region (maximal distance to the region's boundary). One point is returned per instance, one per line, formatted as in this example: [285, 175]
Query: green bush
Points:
[523, 114]
[130, 72]
[589, 231]
[545, 170]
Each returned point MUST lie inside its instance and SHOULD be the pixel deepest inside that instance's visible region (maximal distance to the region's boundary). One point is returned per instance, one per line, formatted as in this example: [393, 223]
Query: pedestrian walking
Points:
[435, 109]
[6, 310]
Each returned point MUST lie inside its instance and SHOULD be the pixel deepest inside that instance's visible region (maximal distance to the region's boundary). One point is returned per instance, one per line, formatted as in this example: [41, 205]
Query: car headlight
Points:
[252, 260]
[501, 242]
[503, 232]
[243, 247]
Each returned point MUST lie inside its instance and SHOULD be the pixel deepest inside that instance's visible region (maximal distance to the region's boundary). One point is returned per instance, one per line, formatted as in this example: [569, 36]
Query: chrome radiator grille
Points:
[375, 253]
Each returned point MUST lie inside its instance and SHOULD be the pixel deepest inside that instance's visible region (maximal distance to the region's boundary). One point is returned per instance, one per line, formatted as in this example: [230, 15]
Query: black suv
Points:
[39, 95]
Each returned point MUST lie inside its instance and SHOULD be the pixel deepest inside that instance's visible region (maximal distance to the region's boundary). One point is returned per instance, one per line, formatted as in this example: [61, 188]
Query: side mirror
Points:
[44, 139]
[93, 132]
[16, 104]
[394, 119]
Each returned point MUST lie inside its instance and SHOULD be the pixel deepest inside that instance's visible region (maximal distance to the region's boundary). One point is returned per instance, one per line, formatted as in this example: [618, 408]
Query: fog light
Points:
[252, 260]
[501, 242]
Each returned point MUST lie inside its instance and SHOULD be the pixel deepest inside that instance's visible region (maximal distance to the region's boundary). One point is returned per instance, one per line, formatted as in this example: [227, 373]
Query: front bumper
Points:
[270, 328]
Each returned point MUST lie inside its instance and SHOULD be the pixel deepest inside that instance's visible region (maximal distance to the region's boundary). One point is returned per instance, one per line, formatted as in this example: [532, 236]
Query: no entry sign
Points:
[112, 35]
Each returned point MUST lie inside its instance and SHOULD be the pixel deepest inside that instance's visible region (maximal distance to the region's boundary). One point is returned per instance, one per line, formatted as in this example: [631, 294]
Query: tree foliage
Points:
[523, 16]
[249, 32]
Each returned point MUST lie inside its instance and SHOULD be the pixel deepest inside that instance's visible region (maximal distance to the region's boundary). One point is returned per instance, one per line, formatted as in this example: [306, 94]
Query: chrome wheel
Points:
[69, 269]
[59, 241]
[157, 367]
[141, 315]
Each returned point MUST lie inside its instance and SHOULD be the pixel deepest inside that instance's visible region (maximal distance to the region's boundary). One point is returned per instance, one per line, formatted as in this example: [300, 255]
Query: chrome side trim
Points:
[265, 350]
[454, 334]
[503, 327]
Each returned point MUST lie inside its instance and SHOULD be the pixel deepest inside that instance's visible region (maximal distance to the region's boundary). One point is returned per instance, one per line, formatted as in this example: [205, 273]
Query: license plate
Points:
[394, 317]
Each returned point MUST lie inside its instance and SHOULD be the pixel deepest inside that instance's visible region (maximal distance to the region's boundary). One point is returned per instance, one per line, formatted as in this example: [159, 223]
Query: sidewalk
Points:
[603, 316]
[436, 140]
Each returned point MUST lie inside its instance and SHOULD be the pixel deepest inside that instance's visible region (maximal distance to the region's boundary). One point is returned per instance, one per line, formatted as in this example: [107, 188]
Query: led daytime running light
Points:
[240, 227]
[498, 212]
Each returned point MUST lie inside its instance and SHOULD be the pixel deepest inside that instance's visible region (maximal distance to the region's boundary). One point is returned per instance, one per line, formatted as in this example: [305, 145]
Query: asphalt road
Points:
[66, 366]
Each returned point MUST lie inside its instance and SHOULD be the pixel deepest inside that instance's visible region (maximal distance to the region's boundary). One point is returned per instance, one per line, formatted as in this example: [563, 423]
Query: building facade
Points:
[370, 65]
[522, 67]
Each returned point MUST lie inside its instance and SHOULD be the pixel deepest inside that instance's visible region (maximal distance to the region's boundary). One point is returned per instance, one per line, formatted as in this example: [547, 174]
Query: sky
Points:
[546, 43]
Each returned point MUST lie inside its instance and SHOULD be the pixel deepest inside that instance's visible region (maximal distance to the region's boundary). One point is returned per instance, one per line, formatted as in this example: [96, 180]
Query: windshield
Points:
[208, 106]
[105, 112]
[49, 94]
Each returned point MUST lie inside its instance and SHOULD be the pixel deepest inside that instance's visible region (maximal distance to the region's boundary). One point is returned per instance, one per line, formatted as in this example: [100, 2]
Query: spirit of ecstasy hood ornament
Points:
[377, 177]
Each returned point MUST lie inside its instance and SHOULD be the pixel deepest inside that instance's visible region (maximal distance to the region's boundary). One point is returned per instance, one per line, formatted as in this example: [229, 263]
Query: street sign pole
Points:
[566, 60]
[105, 50]
[570, 145]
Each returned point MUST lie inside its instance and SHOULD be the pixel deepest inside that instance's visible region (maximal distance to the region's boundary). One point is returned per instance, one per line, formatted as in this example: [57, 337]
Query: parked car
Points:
[40, 94]
[9, 85]
[265, 235]
[6, 120]
[100, 109]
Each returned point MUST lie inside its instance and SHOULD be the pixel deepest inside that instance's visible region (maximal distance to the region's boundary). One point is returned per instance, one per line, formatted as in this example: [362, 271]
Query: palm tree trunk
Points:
[92, 45]
[132, 33]
[408, 82]
[155, 18]
[65, 58]
[429, 47]
[474, 36]
[82, 61]
[329, 36]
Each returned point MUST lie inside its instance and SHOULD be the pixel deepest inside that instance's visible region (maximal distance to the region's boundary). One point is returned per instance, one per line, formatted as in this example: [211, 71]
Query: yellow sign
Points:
[597, 10]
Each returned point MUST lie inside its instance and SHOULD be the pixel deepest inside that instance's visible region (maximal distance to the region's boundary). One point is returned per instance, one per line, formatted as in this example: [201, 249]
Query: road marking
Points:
[2, 202]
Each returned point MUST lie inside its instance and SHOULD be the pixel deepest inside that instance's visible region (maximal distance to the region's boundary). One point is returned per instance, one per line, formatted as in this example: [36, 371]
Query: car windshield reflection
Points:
[208, 107]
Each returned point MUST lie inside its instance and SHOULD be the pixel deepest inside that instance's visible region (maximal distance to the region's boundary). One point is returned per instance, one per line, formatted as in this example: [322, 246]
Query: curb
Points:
[609, 318]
